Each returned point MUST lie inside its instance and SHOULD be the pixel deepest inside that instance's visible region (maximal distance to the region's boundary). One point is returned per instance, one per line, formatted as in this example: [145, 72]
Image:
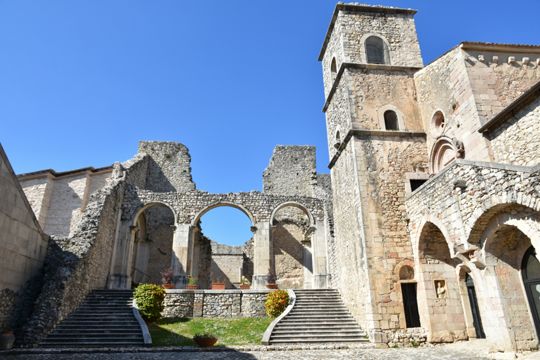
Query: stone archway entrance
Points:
[530, 272]
[475, 309]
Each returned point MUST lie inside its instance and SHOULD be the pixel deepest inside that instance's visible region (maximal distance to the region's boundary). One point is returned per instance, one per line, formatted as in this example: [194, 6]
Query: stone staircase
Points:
[318, 316]
[105, 318]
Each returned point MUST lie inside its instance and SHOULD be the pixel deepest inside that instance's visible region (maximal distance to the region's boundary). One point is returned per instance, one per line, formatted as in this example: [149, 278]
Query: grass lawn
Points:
[179, 332]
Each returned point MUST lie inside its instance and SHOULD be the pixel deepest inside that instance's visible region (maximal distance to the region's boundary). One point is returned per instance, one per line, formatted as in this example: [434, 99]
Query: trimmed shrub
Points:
[149, 299]
[276, 302]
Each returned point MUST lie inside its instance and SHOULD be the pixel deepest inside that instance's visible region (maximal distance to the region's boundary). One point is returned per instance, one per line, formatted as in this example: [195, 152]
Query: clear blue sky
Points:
[82, 81]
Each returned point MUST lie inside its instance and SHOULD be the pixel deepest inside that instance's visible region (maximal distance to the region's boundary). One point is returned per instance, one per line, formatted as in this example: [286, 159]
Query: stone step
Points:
[324, 336]
[321, 341]
[323, 325]
[105, 318]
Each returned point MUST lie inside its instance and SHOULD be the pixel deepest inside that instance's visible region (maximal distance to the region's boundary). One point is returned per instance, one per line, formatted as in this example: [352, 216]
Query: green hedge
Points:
[149, 299]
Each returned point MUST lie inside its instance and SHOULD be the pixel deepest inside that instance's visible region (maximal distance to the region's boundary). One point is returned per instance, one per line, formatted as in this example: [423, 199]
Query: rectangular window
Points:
[416, 183]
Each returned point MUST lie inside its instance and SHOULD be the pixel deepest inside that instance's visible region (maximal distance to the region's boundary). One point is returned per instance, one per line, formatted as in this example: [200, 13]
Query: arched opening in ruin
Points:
[292, 251]
[441, 310]
[151, 246]
[222, 247]
[530, 272]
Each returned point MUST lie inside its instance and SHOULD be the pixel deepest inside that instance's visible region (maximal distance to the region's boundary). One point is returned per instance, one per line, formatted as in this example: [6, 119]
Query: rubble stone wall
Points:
[214, 303]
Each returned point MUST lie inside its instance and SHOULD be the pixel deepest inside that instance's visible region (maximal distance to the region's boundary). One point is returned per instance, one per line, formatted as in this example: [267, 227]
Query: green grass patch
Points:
[179, 332]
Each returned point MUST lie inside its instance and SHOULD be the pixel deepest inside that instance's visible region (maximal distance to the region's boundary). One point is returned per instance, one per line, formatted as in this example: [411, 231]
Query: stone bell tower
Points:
[377, 146]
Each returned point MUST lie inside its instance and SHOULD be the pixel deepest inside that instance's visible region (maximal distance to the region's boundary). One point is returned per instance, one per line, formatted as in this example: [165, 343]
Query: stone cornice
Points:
[367, 67]
[363, 133]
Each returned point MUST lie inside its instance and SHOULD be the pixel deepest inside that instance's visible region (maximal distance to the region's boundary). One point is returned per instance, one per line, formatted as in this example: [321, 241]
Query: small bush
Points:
[149, 299]
[276, 302]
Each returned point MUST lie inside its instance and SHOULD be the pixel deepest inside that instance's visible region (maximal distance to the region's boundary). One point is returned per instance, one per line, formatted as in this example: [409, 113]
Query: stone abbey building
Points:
[427, 224]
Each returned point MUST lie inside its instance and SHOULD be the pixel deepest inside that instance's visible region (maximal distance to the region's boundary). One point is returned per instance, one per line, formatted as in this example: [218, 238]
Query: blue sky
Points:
[83, 81]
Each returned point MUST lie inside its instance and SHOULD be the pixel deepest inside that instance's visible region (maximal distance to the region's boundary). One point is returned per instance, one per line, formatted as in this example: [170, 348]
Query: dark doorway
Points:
[408, 290]
[530, 271]
[475, 310]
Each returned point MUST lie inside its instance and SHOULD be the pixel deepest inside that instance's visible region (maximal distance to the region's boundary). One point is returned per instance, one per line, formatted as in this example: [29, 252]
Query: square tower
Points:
[376, 144]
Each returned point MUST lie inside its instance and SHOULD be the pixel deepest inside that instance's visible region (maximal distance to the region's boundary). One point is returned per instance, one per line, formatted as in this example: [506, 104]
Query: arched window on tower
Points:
[391, 120]
[333, 69]
[376, 51]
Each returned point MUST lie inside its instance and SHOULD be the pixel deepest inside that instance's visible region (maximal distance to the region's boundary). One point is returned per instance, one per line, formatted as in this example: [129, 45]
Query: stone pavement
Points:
[467, 350]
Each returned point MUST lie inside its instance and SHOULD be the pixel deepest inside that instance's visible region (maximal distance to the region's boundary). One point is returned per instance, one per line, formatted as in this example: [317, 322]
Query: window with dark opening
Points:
[376, 50]
[391, 120]
[410, 304]
[333, 69]
[416, 183]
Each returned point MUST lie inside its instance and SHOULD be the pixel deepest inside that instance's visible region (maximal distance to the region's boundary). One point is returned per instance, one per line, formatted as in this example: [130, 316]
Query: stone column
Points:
[119, 278]
[262, 255]
[195, 254]
[179, 262]
[318, 241]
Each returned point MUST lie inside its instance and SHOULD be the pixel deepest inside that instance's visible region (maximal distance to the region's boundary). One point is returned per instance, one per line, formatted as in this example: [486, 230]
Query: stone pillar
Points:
[179, 262]
[262, 255]
[318, 241]
[119, 277]
[195, 254]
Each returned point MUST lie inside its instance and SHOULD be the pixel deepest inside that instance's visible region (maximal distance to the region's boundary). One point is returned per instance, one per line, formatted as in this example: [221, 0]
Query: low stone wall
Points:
[214, 303]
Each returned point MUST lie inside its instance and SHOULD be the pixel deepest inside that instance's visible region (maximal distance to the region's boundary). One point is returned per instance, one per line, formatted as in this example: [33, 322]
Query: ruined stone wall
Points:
[77, 264]
[169, 168]
[517, 140]
[215, 303]
[497, 80]
[291, 171]
[445, 86]
[23, 245]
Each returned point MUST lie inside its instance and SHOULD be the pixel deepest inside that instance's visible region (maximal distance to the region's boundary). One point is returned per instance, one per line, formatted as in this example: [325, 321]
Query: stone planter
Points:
[192, 287]
[271, 286]
[218, 286]
[7, 339]
[245, 286]
[168, 286]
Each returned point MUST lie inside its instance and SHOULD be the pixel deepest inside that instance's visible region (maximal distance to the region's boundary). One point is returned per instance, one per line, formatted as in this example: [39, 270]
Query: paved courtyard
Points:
[460, 351]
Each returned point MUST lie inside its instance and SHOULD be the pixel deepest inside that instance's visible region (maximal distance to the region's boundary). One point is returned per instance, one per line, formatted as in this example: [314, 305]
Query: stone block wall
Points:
[23, 245]
[517, 141]
[497, 80]
[214, 303]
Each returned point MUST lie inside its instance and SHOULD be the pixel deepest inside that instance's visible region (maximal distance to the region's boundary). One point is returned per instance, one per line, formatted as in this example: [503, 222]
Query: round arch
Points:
[387, 54]
[430, 220]
[296, 205]
[149, 205]
[223, 204]
[442, 154]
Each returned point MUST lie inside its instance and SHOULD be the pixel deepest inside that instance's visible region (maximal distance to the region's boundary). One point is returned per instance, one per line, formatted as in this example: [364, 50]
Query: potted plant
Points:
[205, 339]
[166, 278]
[192, 283]
[218, 285]
[7, 338]
[244, 283]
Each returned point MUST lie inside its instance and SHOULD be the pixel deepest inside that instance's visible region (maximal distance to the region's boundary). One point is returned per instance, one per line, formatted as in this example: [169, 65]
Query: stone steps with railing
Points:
[316, 316]
[105, 318]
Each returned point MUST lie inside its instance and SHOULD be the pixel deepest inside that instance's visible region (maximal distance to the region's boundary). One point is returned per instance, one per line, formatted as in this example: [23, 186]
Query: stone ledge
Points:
[210, 291]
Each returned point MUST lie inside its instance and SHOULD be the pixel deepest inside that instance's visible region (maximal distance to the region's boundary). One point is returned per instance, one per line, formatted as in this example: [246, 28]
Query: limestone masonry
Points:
[428, 223]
